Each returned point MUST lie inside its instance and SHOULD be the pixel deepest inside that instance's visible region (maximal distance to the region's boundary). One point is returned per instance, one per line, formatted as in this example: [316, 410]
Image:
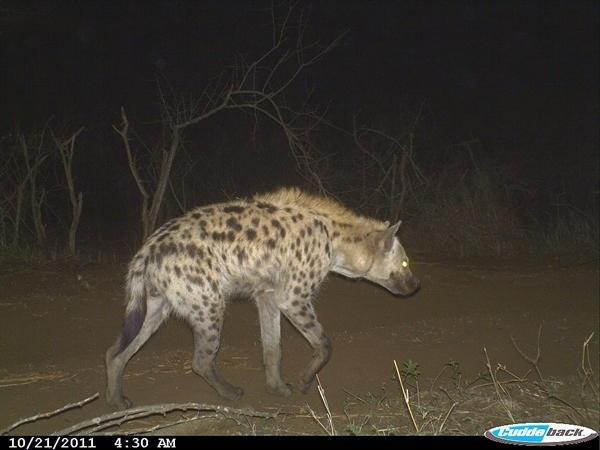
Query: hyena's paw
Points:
[303, 386]
[121, 403]
[305, 379]
[281, 390]
[230, 392]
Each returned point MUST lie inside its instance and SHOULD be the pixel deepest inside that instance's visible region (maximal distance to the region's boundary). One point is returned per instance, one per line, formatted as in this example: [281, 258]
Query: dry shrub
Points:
[573, 231]
[466, 211]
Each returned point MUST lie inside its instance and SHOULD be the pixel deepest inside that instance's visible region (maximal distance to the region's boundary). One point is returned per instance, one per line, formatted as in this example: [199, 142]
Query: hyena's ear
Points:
[385, 239]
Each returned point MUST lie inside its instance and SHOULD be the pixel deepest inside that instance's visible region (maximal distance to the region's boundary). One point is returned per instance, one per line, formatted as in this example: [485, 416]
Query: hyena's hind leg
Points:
[207, 326]
[121, 352]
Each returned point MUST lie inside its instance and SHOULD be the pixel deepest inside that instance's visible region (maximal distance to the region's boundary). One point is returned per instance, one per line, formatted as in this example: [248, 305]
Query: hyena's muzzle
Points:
[403, 283]
[400, 282]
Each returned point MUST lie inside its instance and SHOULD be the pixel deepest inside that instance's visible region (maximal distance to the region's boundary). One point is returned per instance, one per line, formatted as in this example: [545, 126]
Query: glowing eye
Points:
[404, 264]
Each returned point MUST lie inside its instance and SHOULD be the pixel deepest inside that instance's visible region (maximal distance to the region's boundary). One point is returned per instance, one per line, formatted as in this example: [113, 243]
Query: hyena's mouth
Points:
[404, 286]
[413, 285]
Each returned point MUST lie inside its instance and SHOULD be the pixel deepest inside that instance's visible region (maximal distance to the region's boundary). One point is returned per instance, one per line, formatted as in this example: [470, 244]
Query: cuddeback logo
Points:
[540, 434]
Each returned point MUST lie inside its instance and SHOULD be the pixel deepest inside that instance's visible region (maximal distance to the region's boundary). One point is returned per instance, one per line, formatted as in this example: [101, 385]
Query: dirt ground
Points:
[57, 321]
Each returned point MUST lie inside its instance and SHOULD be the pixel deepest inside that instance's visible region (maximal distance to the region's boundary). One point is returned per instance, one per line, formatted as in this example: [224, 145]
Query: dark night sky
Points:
[523, 73]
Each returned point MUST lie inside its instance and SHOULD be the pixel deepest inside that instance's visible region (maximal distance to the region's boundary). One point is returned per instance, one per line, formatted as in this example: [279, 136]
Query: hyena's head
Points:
[390, 264]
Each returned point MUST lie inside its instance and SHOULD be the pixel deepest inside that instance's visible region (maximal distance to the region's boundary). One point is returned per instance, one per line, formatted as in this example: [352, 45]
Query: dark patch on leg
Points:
[131, 328]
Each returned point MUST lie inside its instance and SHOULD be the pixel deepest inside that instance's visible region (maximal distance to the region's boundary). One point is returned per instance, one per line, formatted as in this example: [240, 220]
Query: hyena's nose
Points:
[410, 285]
[413, 285]
[405, 286]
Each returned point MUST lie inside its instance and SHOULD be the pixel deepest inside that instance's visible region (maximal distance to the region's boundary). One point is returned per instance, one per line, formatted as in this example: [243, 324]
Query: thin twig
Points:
[516, 380]
[498, 387]
[355, 396]
[314, 416]
[587, 370]
[437, 378]
[406, 397]
[332, 431]
[120, 417]
[446, 418]
[48, 414]
[537, 358]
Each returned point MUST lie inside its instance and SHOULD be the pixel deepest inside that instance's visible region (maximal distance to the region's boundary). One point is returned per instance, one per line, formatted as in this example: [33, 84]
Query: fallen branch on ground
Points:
[120, 417]
[48, 414]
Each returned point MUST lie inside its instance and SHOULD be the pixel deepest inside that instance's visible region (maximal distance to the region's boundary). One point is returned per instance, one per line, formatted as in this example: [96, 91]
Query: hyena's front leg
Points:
[302, 315]
[270, 333]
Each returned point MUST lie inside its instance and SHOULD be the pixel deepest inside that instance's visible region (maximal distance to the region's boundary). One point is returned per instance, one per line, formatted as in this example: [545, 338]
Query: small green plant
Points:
[356, 428]
[371, 399]
[485, 375]
[411, 370]
[457, 375]
[353, 429]
[455, 366]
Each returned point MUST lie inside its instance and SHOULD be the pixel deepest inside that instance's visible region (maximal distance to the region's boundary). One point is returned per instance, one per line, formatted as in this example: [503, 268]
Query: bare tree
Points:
[66, 149]
[258, 87]
[21, 160]
[36, 200]
[377, 169]
[394, 172]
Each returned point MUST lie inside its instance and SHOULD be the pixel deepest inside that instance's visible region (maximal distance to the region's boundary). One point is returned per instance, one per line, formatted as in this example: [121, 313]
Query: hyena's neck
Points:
[353, 250]
[350, 234]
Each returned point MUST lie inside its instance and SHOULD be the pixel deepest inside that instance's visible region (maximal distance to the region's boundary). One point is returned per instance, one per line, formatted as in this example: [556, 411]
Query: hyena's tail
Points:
[135, 312]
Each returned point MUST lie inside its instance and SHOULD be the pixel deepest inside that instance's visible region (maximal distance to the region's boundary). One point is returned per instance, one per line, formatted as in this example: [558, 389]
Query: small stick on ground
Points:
[406, 397]
[537, 358]
[498, 387]
[586, 369]
[446, 418]
[330, 429]
[48, 414]
[355, 396]
[33, 378]
[438, 377]
[118, 418]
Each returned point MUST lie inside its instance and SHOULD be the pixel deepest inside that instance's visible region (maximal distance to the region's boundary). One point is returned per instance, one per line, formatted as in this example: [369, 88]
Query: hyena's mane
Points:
[329, 208]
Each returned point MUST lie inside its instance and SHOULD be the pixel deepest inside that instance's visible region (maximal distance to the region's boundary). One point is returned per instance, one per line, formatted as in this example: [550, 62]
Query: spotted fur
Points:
[277, 249]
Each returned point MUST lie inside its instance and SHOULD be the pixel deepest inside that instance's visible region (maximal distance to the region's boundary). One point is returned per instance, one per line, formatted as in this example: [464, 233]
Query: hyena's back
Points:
[277, 249]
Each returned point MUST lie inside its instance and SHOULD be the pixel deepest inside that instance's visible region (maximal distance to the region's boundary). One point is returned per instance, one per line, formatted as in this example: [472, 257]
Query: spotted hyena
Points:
[275, 248]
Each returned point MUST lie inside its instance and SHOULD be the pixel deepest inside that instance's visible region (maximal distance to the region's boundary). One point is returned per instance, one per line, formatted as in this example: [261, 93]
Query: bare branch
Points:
[123, 132]
[257, 87]
[120, 417]
[66, 149]
[48, 414]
